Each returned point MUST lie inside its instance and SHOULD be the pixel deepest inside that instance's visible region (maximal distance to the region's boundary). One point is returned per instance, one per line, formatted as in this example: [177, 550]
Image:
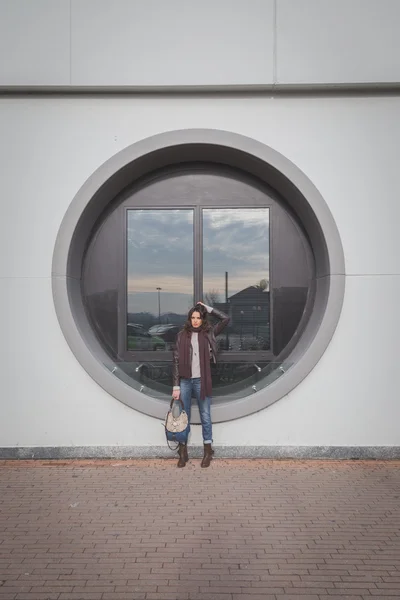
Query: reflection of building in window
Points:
[140, 339]
[248, 329]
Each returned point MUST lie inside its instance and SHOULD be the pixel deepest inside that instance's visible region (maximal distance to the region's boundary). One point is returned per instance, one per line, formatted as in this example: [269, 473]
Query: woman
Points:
[195, 347]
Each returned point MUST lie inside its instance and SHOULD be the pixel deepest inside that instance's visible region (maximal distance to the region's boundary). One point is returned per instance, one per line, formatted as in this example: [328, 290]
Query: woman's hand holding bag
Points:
[177, 425]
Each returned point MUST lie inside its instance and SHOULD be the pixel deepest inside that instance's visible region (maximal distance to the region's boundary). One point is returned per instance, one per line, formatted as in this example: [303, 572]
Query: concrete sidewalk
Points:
[242, 529]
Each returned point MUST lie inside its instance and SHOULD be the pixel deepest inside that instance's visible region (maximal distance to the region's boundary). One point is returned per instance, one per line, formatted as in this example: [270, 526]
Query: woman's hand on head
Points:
[176, 394]
[202, 303]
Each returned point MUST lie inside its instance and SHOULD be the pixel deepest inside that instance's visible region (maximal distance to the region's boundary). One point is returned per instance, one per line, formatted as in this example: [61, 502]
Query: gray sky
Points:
[160, 254]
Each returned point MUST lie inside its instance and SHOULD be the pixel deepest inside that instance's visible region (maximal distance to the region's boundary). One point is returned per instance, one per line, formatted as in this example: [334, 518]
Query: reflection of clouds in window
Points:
[175, 283]
[145, 226]
[237, 241]
[160, 255]
[160, 242]
[217, 218]
[179, 303]
[161, 260]
[160, 249]
[165, 237]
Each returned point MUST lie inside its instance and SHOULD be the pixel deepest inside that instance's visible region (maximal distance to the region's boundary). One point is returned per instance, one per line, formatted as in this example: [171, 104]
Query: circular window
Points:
[208, 232]
[198, 215]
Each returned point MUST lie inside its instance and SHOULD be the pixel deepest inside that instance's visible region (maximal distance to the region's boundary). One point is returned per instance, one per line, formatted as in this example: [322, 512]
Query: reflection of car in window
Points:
[139, 339]
[166, 332]
[155, 329]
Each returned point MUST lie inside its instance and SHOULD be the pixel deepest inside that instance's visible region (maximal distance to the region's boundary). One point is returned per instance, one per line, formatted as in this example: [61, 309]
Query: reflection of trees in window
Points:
[211, 298]
[263, 285]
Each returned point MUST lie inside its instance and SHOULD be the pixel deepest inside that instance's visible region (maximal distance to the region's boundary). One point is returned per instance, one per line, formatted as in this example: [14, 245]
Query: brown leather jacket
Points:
[211, 334]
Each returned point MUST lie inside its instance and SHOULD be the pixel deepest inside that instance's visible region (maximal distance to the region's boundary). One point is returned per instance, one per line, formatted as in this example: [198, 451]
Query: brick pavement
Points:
[242, 529]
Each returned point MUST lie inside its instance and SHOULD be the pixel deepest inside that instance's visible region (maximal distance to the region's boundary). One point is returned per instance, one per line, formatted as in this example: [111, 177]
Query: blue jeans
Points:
[188, 386]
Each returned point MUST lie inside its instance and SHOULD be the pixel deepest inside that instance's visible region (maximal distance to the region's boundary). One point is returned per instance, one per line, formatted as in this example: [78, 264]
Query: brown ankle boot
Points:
[182, 451]
[208, 452]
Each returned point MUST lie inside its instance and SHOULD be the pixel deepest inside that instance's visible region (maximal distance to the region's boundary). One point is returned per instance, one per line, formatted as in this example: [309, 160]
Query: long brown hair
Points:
[205, 326]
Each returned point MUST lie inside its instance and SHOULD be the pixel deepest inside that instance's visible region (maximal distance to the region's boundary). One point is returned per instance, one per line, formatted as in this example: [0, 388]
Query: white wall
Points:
[347, 146]
[337, 41]
[153, 43]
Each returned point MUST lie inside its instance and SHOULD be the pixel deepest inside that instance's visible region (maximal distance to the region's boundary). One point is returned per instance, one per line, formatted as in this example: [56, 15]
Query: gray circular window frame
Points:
[190, 145]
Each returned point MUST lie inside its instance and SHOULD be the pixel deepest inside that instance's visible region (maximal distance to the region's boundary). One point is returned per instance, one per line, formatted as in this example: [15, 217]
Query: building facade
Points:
[242, 153]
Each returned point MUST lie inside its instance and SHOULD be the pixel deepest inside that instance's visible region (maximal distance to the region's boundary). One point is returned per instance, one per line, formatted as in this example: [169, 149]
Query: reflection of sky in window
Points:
[160, 254]
[236, 241]
[160, 250]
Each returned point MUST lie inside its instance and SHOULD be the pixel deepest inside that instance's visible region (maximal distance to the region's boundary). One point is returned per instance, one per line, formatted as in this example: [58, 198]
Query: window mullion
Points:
[198, 254]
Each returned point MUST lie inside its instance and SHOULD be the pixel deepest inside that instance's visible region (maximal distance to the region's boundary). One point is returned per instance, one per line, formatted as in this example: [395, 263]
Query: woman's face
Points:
[196, 319]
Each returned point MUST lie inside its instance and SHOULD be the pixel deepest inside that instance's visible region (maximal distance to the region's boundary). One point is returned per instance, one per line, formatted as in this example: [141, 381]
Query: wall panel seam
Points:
[372, 275]
[274, 45]
[70, 42]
